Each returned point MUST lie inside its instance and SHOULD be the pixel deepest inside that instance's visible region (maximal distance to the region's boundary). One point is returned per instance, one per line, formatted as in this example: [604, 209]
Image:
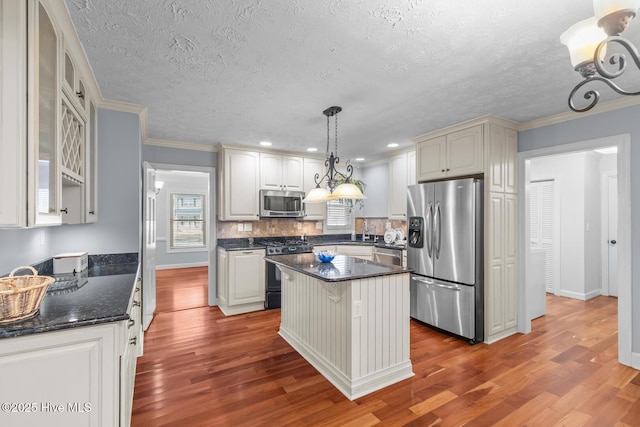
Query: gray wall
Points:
[599, 126]
[117, 229]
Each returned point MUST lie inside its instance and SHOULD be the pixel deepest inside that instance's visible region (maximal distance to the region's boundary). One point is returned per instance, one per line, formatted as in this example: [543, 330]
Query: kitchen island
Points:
[349, 318]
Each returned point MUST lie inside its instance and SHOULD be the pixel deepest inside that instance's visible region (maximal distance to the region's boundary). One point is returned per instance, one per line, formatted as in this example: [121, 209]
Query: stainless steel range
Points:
[273, 279]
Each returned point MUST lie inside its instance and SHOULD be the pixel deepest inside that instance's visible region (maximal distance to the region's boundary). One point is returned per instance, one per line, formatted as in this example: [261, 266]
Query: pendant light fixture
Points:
[327, 187]
[587, 42]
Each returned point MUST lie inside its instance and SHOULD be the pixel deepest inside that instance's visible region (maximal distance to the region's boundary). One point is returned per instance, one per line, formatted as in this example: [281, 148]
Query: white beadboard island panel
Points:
[357, 352]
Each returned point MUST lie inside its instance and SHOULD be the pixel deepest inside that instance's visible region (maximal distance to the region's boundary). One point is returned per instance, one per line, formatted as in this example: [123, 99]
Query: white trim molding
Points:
[180, 145]
[570, 115]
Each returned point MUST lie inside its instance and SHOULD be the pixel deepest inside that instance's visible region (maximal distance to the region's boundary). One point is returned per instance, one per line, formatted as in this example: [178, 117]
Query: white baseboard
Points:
[635, 360]
[183, 265]
[580, 296]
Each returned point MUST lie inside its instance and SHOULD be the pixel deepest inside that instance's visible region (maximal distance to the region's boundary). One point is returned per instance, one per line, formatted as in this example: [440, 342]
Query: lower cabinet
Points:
[241, 281]
[356, 251]
[76, 377]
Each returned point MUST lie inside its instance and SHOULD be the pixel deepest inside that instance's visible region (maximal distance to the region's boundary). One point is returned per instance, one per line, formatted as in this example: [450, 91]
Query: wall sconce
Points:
[587, 42]
[159, 185]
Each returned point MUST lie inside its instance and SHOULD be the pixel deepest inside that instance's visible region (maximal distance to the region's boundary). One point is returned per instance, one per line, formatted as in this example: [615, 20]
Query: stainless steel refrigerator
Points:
[444, 248]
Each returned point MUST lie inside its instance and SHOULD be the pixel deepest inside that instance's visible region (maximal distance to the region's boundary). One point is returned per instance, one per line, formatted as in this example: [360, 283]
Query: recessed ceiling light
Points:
[392, 145]
[607, 150]
[312, 149]
[359, 159]
[265, 143]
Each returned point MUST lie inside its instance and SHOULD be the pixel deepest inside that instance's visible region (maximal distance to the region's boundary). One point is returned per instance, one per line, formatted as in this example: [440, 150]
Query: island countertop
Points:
[342, 268]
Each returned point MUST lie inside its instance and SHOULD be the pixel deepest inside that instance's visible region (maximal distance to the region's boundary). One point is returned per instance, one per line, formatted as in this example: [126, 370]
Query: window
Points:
[340, 216]
[187, 223]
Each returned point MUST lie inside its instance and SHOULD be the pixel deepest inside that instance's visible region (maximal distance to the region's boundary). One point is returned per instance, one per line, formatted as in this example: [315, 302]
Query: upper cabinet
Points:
[402, 173]
[238, 185]
[313, 211]
[458, 153]
[45, 128]
[278, 172]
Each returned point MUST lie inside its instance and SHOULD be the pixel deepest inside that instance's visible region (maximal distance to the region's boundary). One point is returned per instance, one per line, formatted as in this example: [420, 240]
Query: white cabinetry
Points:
[402, 172]
[241, 281]
[44, 128]
[278, 172]
[356, 251]
[313, 211]
[486, 145]
[238, 186]
[89, 370]
[458, 153]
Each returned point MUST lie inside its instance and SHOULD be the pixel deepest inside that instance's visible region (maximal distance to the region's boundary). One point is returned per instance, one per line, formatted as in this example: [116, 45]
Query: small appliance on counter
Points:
[70, 262]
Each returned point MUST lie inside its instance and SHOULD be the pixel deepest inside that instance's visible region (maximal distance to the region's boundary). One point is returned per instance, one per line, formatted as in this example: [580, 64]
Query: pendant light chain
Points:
[336, 134]
[328, 137]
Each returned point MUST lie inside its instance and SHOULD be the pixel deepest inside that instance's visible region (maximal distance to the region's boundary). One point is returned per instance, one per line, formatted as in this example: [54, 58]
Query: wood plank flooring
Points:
[181, 289]
[201, 368]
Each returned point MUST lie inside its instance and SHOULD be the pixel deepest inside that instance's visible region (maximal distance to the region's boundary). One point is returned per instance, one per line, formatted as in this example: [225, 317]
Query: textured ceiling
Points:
[240, 72]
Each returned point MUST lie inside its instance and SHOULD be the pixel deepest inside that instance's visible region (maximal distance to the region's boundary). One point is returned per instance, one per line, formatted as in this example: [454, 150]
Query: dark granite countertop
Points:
[100, 295]
[342, 268]
[243, 244]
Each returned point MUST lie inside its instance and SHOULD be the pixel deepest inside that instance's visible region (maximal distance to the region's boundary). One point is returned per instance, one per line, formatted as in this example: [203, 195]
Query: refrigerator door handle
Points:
[437, 226]
[429, 229]
[437, 285]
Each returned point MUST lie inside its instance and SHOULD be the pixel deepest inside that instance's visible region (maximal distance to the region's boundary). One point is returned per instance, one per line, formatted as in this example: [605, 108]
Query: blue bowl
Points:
[325, 256]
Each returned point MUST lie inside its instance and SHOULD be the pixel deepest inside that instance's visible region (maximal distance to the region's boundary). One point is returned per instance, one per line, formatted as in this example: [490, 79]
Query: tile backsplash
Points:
[274, 227]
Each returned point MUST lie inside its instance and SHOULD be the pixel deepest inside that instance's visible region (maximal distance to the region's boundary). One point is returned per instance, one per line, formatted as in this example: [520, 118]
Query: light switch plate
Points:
[240, 227]
[248, 226]
[319, 225]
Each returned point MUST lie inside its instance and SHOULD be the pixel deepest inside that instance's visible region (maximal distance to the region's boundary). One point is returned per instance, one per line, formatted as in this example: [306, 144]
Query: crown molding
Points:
[125, 107]
[180, 145]
[488, 118]
[572, 115]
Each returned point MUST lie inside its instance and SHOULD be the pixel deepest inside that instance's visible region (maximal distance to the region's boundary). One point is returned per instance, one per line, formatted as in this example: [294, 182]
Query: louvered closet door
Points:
[541, 224]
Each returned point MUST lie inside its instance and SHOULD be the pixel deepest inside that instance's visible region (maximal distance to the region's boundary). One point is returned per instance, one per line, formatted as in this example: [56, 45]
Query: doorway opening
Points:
[183, 239]
[577, 273]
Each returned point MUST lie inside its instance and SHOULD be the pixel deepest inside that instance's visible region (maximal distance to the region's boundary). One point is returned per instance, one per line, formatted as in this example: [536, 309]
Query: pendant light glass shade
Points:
[603, 8]
[317, 195]
[346, 191]
[582, 39]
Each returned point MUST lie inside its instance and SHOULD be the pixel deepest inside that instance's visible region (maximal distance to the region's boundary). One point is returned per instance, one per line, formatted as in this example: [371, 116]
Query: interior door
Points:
[148, 245]
[612, 233]
[542, 211]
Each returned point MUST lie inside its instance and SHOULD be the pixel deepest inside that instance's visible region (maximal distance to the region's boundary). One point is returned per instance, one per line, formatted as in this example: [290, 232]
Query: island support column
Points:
[355, 333]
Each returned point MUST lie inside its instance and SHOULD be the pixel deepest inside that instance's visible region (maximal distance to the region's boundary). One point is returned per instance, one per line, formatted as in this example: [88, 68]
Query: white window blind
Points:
[541, 223]
[340, 216]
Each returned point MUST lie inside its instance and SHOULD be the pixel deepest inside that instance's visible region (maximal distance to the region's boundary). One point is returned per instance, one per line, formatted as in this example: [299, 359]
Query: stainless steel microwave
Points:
[281, 204]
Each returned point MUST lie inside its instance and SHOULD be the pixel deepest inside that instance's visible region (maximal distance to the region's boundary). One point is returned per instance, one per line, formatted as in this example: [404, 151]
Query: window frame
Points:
[171, 248]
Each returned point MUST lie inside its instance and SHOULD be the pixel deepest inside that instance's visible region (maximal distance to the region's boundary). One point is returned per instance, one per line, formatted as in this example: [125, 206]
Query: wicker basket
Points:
[20, 296]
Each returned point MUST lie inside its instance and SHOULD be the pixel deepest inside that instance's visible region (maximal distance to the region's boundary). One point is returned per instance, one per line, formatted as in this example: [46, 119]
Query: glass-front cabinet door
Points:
[44, 186]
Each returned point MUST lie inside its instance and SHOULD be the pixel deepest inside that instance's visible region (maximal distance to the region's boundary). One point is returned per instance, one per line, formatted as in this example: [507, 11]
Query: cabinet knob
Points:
[136, 303]
[80, 94]
[65, 210]
[133, 341]
[448, 169]
[442, 170]
[92, 212]
[130, 323]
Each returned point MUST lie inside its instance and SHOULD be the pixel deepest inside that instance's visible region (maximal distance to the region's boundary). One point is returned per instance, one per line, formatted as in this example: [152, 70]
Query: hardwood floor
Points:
[181, 289]
[201, 368]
